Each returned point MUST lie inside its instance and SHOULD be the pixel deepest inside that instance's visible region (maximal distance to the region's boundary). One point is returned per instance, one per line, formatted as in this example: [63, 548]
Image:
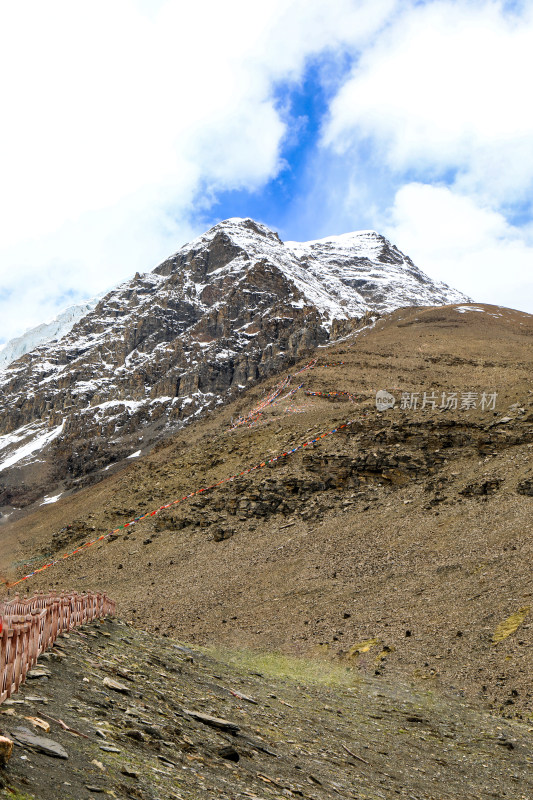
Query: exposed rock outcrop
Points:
[231, 307]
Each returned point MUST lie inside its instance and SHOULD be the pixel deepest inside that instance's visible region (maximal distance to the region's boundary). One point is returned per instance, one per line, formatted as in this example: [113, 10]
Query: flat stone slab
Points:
[27, 738]
[213, 722]
[32, 698]
[38, 672]
[116, 686]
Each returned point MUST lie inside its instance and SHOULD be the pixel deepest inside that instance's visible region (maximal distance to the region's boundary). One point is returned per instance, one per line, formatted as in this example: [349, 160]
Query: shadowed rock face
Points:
[233, 306]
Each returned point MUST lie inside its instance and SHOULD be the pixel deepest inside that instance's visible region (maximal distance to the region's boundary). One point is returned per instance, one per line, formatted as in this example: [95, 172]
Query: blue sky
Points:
[315, 118]
[303, 105]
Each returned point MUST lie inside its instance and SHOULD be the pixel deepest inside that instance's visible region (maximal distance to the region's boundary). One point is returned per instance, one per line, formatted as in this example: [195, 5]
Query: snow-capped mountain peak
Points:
[232, 306]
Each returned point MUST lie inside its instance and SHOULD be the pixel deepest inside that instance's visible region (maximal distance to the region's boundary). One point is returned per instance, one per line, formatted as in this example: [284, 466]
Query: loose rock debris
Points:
[181, 734]
[379, 525]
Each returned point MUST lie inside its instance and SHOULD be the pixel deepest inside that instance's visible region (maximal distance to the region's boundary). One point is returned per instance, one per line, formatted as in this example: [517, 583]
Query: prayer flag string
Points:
[250, 419]
[179, 500]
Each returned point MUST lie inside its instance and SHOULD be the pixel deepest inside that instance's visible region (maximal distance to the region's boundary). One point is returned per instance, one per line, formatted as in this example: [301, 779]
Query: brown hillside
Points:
[283, 728]
[400, 543]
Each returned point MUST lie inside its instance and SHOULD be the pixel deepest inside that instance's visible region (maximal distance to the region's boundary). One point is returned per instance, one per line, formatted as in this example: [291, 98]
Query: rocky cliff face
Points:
[232, 306]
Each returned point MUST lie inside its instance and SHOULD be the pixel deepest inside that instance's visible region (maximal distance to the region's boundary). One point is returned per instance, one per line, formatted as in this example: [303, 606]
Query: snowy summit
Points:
[229, 308]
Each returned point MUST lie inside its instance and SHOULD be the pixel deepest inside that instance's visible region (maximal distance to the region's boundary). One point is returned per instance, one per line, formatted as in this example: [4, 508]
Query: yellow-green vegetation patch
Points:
[362, 647]
[279, 665]
[384, 653]
[509, 625]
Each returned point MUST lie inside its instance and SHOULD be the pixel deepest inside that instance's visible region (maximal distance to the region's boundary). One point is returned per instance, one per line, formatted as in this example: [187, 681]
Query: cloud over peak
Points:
[128, 120]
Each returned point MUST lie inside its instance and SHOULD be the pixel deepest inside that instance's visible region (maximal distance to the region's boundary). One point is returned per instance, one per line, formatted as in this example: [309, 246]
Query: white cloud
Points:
[118, 113]
[123, 119]
[445, 87]
[438, 102]
[470, 246]
[85, 257]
